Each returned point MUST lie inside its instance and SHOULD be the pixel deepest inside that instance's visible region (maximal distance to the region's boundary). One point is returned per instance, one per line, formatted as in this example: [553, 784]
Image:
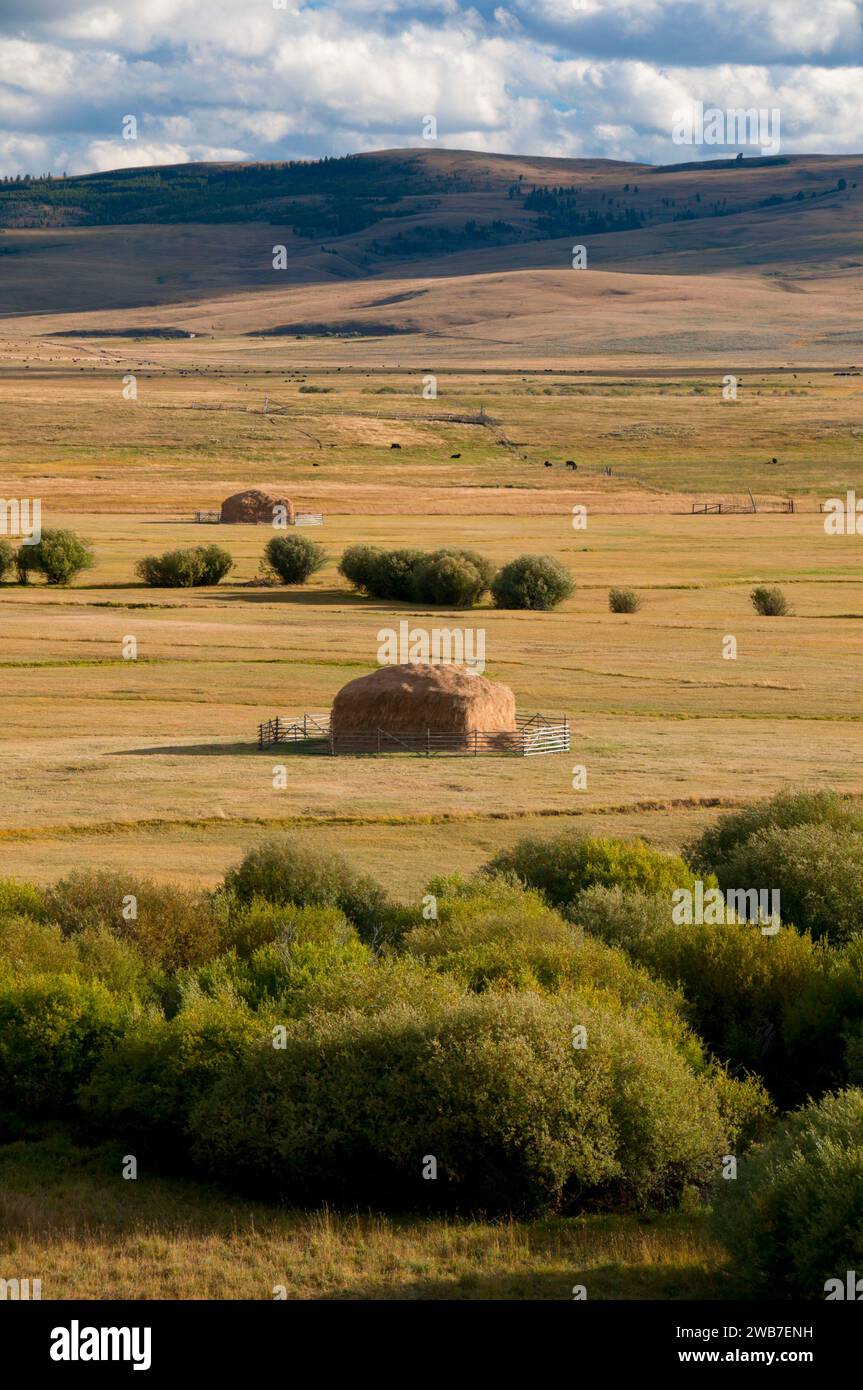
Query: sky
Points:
[243, 79]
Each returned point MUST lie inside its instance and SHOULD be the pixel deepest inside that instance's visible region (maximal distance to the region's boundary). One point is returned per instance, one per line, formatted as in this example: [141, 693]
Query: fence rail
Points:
[300, 519]
[786, 504]
[312, 733]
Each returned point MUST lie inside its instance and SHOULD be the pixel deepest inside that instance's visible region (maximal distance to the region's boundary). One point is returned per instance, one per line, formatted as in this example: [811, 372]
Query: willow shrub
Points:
[717, 843]
[494, 935]
[532, 581]
[54, 1029]
[563, 866]
[173, 927]
[818, 871]
[58, 556]
[490, 1087]
[281, 871]
[294, 559]
[191, 568]
[740, 985]
[147, 1083]
[17, 899]
[7, 558]
[793, 1218]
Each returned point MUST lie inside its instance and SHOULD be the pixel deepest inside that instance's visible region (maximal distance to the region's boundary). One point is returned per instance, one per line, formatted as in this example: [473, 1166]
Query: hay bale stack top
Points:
[254, 506]
[414, 698]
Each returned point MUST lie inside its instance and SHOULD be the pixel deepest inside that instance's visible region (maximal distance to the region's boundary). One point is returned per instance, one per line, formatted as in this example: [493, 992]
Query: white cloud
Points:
[239, 79]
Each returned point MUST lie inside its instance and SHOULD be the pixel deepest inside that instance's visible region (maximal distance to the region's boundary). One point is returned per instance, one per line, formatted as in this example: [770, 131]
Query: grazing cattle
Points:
[395, 446]
[455, 456]
[548, 465]
[571, 463]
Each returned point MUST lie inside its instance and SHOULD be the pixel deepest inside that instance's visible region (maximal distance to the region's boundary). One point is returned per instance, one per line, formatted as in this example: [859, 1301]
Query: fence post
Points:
[428, 743]
[475, 737]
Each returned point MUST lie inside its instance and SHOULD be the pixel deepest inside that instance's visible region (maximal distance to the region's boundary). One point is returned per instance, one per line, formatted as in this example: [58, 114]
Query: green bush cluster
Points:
[492, 935]
[562, 866]
[740, 985]
[807, 845]
[185, 569]
[293, 559]
[396, 1038]
[451, 577]
[54, 1028]
[283, 872]
[793, 1219]
[544, 1034]
[454, 578]
[532, 581]
[784, 811]
[171, 926]
[490, 1088]
[58, 556]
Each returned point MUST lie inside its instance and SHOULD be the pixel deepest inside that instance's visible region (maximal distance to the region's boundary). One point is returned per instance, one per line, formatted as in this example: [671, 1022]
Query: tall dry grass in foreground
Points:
[67, 1219]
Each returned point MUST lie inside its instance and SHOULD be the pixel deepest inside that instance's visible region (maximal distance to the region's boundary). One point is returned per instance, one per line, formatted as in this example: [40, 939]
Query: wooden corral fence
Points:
[312, 733]
[301, 518]
[785, 504]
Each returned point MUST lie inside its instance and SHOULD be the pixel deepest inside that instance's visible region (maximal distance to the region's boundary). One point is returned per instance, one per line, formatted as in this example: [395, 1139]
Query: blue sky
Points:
[241, 79]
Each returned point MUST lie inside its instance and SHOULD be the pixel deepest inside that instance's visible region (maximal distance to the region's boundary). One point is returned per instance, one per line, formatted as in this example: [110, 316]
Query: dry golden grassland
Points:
[152, 763]
[197, 430]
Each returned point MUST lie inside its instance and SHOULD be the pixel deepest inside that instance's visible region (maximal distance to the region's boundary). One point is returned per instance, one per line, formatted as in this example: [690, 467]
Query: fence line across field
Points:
[312, 733]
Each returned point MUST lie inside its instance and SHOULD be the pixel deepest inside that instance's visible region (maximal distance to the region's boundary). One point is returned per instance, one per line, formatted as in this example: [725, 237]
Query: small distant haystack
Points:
[253, 507]
[416, 698]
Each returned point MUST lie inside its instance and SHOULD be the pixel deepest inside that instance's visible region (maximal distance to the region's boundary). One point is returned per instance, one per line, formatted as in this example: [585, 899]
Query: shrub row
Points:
[543, 1047]
[451, 578]
[474, 1012]
[455, 578]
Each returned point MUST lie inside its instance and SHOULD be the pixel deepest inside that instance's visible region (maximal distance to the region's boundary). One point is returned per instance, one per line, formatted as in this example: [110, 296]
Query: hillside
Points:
[413, 244]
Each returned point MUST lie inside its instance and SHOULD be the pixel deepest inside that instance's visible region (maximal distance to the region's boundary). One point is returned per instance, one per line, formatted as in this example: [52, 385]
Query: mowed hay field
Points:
[152, 765]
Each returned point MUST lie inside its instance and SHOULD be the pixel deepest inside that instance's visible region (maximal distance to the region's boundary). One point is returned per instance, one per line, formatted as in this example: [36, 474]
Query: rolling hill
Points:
[428, 245]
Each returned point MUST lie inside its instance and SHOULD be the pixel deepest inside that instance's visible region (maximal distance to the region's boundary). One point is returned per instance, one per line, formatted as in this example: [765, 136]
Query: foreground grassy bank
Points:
[68, 1218]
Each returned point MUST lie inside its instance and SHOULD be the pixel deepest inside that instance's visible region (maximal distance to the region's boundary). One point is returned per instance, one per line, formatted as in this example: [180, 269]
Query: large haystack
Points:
[254, 506]
[416, 698]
